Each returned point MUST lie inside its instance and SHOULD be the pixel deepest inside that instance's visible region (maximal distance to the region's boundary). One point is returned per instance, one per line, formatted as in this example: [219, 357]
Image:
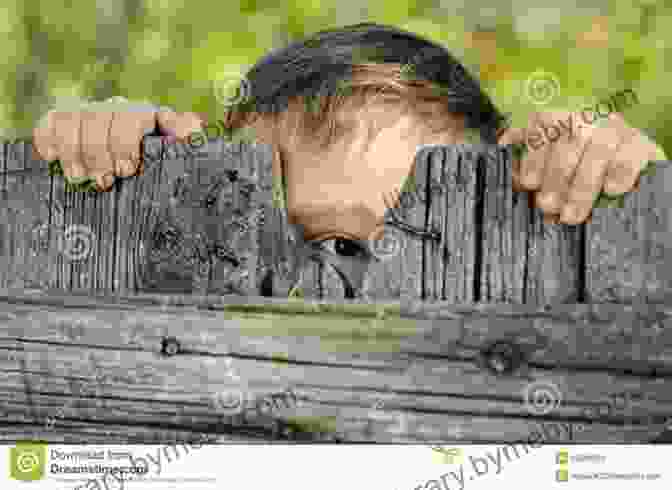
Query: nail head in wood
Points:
[170, 346]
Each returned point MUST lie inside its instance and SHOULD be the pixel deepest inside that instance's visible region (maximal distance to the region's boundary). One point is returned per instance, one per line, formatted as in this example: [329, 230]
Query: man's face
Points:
[341, 192]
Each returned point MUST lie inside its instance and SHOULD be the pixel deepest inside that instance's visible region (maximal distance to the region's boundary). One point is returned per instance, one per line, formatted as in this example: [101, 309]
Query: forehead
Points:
[359, 117]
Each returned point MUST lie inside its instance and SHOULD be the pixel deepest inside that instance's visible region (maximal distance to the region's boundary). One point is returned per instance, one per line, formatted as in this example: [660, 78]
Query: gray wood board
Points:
[185, 226]
[360, 372]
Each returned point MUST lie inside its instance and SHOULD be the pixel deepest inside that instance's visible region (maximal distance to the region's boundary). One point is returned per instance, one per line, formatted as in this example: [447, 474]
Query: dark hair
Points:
[317, 65]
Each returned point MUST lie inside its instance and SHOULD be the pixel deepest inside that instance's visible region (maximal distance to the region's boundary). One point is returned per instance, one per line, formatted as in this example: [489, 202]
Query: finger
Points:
[104, 182]
[533, 163]
[589, 178]
[511, 136]
[179, 124]
[551, 218]
[126, 133]
[44, 140]
[624, 169]
[563, 159]
[94, 143]
[140, 169]
[67, 127]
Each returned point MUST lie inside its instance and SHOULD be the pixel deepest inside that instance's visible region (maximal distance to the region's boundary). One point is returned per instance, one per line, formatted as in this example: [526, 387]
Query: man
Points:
[339, 161]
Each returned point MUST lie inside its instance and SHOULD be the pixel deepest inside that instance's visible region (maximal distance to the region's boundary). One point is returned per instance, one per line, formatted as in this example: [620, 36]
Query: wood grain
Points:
[629, 256]
[184, 226]
[524, 260]
[365, 373]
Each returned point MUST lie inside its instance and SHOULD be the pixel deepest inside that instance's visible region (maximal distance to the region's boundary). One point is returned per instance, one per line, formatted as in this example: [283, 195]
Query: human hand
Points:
[584, 166]
[101, 140]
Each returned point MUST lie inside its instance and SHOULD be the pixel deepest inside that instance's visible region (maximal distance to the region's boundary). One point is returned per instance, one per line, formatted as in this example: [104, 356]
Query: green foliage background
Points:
[170, 51]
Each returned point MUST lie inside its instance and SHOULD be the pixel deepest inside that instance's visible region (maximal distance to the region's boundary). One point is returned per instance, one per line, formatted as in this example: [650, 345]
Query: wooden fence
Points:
[123, 313]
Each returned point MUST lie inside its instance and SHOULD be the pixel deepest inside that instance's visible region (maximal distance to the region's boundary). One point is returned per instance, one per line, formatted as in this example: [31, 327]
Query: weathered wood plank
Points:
[14, 216]
[459, 243]
[43, 240]
[72, 432]
[436, 196]
[629, 256]
[376, 376]
[492, 246]
[523, 259]
[440, 201]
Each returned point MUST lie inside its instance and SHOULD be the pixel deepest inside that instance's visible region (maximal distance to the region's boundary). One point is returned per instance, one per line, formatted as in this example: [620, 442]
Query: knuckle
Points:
[615, 187]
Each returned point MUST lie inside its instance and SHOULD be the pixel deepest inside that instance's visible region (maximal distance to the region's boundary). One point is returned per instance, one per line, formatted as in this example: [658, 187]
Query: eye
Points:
[343, 247]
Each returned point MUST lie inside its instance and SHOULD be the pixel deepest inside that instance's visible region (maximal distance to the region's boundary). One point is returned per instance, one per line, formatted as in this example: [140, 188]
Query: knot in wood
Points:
[167, 237]
[503, 357]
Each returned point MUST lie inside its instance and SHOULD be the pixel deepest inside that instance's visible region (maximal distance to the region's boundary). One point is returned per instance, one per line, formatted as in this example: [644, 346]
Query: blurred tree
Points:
[171, 52]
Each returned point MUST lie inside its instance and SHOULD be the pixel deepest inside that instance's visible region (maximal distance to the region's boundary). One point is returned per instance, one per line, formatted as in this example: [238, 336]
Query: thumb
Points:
[511, 136]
